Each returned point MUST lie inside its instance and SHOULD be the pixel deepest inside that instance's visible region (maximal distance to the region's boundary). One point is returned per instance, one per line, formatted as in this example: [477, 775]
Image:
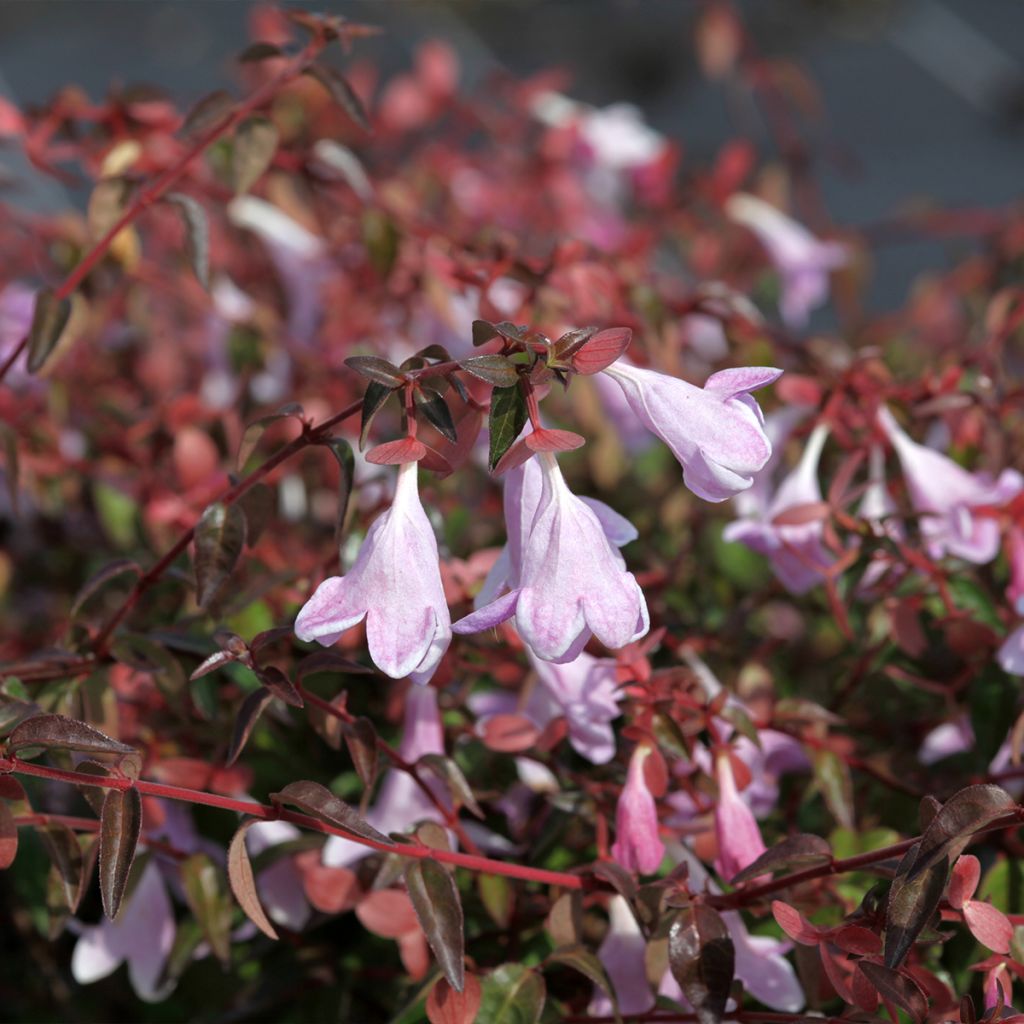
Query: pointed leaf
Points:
[374, 399]
[600, 351]
[342, 93]
[483, 332]
[329, 661]
[208, 111]
[395, 453]
[702, 960]
[507, 419]
[495, 369]
[243, 882]
[435, 898]
[258, 51]
[257, 505]
[48, 322]
[280, 685]
[989, 925]
[108, 572]
[255, 144]
[246, 719]
[912, 903]
[571, 342]
[451, 774]
[197, 235]
[380, 371]
[320, 802]
[897, 988]
[66, 855]
[361, 741]
[342, 451]
[120, 827]
[618, 878]
[793, 854]
[580, 959]
[254, 430]
[512, 994]
[220, 537]
[60, 733]
[436, 410]
[446, 1006]
[208, 901]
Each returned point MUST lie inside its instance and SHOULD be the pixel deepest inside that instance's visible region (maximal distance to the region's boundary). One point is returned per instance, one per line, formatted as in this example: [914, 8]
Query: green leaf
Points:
[494, 369]
[507, 419]
[246, 719]
[117, 513]
[197, 235]
[341, 92]
[254, 147]
[380, 236]
[120, 827]
[451, 774]
[702, 960]
[209, 902]
[512, 994]
[342, 451]
[580, 959]
[497, 896]
[832, 774]
[48, 322]
[432, 404]
[435, 898]
[243, 882]
[320, 802]
[374, 399]
[220, 536]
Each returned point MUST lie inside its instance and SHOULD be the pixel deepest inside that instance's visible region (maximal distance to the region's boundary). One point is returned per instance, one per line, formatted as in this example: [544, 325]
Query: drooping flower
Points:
[716, 432]
[622, 953]
[142, 935]
[401, 802]
[803, 261]
[395, 585]
[736, 829]
[947, 496]
[299, 257]
[797, 554]
[637, 846]
[571, 583]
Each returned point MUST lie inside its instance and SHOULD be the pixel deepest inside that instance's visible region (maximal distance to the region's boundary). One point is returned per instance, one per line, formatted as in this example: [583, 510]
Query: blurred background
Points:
[923, 99]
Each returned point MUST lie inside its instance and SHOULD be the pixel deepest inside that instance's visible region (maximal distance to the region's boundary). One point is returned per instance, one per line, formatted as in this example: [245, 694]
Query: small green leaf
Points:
[375, 397]
[580, 959]
[512, 994]
[208, 901]
[507, 419]
[435, 408]
[48, 323]
[254, 147]
[220, 537]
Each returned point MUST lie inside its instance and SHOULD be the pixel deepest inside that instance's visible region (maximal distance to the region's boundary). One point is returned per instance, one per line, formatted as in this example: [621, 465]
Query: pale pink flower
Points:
[279, 884]
[622, 953]
[572, 582]
[739, 838]
[142, 935]
[716, 432]
[395, 585]
[1011, 653]
[401, 803]
[803, 261]
[637, 846]
[1015, 591]
[947, 495]
[17, 308]
[797, 554]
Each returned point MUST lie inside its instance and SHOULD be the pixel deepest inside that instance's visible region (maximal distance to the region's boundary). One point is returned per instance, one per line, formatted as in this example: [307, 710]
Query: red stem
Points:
[471, 862]
[159, 185]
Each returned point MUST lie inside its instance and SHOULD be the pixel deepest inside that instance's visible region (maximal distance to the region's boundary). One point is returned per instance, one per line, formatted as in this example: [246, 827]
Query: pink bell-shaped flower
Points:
[571, 583]
[716, 432]
[739, 838]
[946, 495]
[637, 846]
[803, 262]
[395, 585]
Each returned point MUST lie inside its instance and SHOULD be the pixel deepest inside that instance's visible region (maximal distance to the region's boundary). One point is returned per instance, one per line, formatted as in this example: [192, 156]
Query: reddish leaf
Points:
[990, 926]
[320, 802]
[388, 913]
[600, 351]
[8, 837]
[66, 857]
[394, 453]
[435, 899]
[120, 827]
[545, 440]
[361, 741]
[911, 904]
[702, 960]
[854, 938]
[280, 685]
[330, 890]
[963, 881]
[447, 1006]
[247, 717]
[243, 882]
[380, 371]
[219, 539]
[509, 734]
[794, 924]
[108, 572]
[495, 369]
